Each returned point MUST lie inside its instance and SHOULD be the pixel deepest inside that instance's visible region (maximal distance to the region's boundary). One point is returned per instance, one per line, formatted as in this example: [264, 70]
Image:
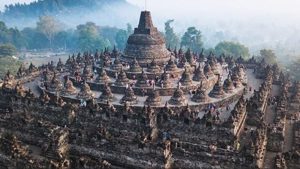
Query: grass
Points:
[9, 63]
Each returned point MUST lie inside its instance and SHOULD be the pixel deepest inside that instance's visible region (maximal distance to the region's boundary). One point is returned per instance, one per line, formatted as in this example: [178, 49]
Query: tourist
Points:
[191, 93]
[228, 107]
[156, 79]
[46, 86]
[82, 103]
[218, 113]
[179, 85]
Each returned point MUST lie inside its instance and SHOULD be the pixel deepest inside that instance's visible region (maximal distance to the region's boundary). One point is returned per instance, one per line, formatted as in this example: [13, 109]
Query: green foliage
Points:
[7, 50]
[268, 55]
[11, 35]
[121, 39]
[234, 49]
[8, 63]
[34, 39]
[89, 38]
[172, 39]
[192, 39]
[109, 33]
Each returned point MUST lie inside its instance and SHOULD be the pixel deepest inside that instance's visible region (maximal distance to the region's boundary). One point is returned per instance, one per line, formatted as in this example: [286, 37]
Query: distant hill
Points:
[70, 12]
[44, 7]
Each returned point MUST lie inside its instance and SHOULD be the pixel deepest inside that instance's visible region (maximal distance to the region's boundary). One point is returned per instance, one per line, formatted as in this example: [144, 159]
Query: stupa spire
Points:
[145, 21]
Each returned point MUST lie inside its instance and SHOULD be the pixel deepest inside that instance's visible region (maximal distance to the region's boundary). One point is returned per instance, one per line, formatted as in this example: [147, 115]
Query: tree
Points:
[172, 39]
[34, 39]
[121, 39]
[17, 39]
[192, 39]
[109, 33]
[7, 50]
[268, 55]
[12, 36]
[60, 40]
[3, 33]
[49, 26]
[122, 36]
[89, 37]
[234, 49]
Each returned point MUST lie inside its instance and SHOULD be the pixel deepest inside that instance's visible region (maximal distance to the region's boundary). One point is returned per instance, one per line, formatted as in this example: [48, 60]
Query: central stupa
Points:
[146, 43]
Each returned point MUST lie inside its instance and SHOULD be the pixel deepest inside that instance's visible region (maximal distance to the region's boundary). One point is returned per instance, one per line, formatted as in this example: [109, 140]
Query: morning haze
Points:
[277, 21]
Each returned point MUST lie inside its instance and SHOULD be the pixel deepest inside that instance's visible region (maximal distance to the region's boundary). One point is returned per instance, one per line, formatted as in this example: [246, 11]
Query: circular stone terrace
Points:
[182, 88]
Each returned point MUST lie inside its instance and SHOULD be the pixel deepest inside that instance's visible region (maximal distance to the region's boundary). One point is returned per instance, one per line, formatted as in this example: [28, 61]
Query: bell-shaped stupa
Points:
[146, 43]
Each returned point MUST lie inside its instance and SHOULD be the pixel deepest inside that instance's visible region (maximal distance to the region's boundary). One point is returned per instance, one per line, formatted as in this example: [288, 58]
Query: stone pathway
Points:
[269, 117]
[252, 81]
[269, 160]
[288, 139]
[270, 114]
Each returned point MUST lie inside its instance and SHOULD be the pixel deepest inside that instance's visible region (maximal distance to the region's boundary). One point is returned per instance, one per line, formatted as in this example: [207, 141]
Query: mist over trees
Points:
[74, 23]
[11, 35]
[277, 32]
[234, 49]
[192, 39]
[89, 38]
[268, 55]
[44, 7]
[122, 36]
[70, 12]
[172, 40]
[49, 26]
[48, 34]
